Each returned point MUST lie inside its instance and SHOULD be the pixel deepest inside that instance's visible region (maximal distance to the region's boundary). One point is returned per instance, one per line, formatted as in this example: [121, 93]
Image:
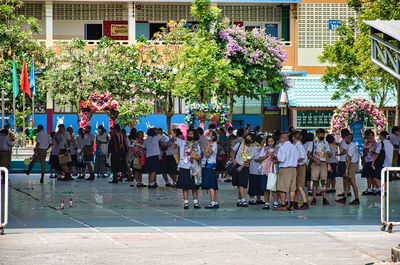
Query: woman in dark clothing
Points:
[117, 148]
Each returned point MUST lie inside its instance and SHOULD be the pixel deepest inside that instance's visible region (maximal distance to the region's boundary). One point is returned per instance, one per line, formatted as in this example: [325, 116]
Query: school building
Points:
[305, 26]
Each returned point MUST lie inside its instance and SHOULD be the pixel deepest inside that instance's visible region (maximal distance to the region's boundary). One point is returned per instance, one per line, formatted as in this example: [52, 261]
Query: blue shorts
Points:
[341, 168]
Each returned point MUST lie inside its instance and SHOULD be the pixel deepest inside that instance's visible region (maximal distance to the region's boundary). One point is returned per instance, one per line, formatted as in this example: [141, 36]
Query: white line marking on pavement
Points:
[30, 229]
[133, 220]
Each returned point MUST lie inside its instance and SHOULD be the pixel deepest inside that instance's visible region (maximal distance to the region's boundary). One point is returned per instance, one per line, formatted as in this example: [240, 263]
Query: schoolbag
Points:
[381, 157]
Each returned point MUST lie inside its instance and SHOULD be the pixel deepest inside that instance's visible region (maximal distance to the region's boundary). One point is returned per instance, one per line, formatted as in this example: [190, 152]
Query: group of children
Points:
[281, 164]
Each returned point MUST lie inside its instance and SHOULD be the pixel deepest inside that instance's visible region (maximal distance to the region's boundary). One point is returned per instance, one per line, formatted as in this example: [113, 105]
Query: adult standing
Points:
[117, 149]
[288, 158]
[88, 152]
[43, 143]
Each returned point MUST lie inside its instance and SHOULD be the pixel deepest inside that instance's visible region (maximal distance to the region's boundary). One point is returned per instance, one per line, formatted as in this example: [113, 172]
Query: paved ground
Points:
[144, 226]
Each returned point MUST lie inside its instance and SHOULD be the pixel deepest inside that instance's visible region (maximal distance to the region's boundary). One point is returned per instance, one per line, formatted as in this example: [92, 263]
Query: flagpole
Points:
[33, 94]
[23, 111]
[3, 116]
[33, 111]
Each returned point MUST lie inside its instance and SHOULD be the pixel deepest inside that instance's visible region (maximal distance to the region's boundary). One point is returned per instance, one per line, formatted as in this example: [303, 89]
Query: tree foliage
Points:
[350, 56]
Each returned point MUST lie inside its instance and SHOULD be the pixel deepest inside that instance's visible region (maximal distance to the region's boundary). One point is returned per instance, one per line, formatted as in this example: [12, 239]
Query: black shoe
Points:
[41, 180]
[53, 177]
[309, 193]
[245, 204]
[114, 181]
[252, 203]
[168, 185]
[260, 202]
[196, 206]
[228, 180]
[239, 204]
[152, 186]
[186, 206]
[26, 172]
[173, 185]
[216, 206]
[342, 194]
[140, 185]
[367, 192]
[266, 207]
[80, 177]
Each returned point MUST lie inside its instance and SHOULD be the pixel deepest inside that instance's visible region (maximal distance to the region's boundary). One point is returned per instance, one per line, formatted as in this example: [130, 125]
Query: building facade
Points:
[304, 26]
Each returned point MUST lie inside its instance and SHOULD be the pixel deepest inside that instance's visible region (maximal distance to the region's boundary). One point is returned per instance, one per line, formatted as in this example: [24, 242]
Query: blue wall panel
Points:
[143, 29]
[156, 120]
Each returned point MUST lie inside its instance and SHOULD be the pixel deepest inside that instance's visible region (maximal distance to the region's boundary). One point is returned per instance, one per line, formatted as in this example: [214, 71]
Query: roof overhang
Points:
[385, 47]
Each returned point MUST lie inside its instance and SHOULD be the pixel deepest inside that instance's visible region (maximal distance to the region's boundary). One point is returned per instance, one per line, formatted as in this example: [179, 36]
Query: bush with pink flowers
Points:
[350, 111]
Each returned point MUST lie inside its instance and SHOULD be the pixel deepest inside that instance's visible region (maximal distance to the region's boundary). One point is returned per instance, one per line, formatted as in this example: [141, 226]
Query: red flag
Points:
[24, 86]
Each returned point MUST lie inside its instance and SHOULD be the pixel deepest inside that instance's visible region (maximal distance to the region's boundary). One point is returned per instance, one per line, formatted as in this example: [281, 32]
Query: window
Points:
[252, 106]
[238, 105]
[58, 108]
[93, 31]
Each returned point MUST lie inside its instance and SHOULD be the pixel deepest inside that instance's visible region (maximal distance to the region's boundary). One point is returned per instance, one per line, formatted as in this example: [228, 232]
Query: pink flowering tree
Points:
[258, 56]
[350, 111]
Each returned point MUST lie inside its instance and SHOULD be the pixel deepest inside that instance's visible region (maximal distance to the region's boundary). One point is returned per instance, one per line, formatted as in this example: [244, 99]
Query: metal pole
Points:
[23, 116]
[3, 116]
[33, 111]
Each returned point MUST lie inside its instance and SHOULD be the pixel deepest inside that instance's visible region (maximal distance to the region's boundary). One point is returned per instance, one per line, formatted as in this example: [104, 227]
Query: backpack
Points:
[381, 157]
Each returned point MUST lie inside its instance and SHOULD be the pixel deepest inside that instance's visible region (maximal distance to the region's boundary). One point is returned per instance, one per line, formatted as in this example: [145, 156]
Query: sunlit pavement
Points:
[149, 226]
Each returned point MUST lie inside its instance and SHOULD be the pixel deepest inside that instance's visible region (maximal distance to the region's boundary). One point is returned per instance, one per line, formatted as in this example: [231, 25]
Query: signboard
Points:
[314, 118]
[333, 24]
[119, 30]
[272, 30]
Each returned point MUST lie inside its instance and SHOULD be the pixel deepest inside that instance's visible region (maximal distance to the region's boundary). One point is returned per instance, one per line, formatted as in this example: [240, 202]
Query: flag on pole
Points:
[15, 80]
[32, 80]
[24, 85]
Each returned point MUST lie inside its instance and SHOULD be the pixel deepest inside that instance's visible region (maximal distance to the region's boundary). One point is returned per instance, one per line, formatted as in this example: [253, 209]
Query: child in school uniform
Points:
[209, 181]
[241, 157]
[170, 166]
[153, 151]
[331, 183]
[256, 173]
[190, 152]
[269, 152]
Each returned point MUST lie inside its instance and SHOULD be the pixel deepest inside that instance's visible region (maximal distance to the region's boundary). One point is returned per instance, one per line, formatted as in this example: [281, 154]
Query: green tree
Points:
[350, 57]
[77, 72]
[16, 38]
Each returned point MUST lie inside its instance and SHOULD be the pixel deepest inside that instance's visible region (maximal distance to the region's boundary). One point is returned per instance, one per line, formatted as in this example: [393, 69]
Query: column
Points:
[49, 23]
[49, 112]
[131, 23]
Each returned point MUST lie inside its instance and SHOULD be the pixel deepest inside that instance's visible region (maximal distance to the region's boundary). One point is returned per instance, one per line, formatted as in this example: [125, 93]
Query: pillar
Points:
[49, 112]
[131, 23]
[49, 23]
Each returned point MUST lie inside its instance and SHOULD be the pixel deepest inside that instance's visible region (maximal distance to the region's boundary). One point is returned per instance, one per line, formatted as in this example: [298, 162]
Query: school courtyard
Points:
[119, 224]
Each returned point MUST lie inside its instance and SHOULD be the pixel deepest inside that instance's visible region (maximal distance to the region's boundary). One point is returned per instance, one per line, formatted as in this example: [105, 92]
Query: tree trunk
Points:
[397, 120]
[231, 101]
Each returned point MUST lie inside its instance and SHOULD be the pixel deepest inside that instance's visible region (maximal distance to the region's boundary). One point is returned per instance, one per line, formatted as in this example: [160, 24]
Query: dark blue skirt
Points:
[153, 164]
[254, 185]
[170, 166]
[264, 181]
[209, 179]
[185, 181]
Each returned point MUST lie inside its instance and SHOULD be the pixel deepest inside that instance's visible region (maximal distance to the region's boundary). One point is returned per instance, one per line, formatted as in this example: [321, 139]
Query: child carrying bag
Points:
[272, 178]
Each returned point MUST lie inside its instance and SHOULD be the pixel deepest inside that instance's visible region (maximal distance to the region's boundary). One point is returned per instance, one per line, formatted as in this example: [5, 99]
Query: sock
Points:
[368, 190]
[266, 203]
[213, 203]
[186, 201]
[276, 203]
[252, 199]
[195, 201]
[243, 200]
[239, 200]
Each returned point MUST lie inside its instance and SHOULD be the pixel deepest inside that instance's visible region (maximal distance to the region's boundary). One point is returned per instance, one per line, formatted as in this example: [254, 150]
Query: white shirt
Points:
[152, 146]
[332, 152]
[73, 146]
[242, 150]
[212, 159]
[321, 148]
[270, 150]
[352, 152]
[43, 139]
[255, 168]
[388, 152]
[394, 140]
[80, 142]
[62, 140]
[184, 162]
[89, 139]
[343, 146]
[287, 155]
[302, 153]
